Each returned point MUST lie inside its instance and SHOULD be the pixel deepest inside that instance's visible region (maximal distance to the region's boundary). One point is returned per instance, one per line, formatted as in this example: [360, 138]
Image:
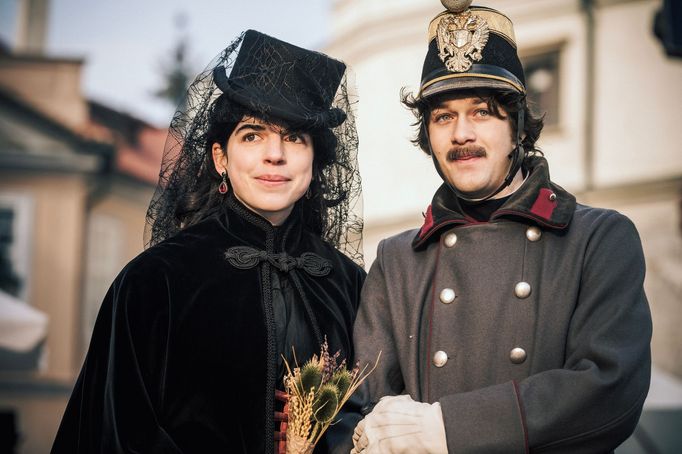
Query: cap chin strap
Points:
[515, 160]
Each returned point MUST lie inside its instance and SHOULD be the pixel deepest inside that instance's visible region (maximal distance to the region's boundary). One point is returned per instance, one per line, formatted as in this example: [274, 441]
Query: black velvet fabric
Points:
[184, 354]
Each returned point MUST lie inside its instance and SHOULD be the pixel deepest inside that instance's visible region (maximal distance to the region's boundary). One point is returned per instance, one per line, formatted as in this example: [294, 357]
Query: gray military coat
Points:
[532, 330]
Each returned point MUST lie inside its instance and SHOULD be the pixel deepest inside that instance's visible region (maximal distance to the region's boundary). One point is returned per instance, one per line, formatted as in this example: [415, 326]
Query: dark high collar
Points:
[538, 200]
[256, 231]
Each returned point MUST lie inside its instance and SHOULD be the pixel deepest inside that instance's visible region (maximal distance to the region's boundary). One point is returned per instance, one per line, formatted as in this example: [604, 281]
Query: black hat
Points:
[470, 48]
[279, 79]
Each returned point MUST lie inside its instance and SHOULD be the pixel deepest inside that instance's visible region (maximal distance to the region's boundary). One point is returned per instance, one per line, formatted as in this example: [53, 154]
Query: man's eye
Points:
[443, 117]
[483, 112]
[250, 137]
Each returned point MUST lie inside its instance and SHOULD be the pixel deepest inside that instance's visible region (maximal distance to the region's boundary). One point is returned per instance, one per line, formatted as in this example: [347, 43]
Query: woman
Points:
[247, 225]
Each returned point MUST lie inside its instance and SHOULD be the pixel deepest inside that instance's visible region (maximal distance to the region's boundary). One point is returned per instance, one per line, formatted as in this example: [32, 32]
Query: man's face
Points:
[471, 145]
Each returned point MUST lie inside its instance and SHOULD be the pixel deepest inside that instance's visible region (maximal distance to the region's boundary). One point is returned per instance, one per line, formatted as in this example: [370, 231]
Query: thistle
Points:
[342, 379]
[326, 403]
[310, 377]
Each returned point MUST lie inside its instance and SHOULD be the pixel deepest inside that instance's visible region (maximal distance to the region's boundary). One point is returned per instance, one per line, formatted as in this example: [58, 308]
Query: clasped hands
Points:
[398, 424]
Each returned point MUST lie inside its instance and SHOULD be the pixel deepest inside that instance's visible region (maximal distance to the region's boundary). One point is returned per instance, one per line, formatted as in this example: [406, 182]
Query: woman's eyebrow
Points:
[253, 126]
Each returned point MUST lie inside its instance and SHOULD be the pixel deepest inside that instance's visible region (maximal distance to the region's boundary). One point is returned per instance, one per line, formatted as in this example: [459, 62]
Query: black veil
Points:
[186, 190]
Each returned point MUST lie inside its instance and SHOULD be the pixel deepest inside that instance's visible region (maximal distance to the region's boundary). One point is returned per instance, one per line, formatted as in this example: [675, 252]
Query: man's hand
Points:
[398, 424]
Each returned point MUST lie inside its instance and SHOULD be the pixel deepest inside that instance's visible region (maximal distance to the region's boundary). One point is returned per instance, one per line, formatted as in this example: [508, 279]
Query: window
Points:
[542, 83]
[23, 328]
[9, 279]
[16, 219]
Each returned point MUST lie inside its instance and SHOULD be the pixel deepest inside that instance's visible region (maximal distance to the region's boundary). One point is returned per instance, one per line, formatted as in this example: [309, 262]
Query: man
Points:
[514, 319]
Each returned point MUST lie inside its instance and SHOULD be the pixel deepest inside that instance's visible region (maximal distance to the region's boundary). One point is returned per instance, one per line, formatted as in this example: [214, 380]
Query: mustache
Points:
[466, 152]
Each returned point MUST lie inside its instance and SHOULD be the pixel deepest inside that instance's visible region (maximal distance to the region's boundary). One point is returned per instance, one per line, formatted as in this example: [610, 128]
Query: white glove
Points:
[398, 424]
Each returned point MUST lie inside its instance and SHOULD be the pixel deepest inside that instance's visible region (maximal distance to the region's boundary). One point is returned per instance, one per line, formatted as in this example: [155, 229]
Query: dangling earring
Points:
[223, 184]
[307, 193]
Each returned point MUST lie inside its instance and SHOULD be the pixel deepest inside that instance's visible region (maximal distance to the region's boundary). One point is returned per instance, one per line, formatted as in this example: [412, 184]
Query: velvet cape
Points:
[183, 356]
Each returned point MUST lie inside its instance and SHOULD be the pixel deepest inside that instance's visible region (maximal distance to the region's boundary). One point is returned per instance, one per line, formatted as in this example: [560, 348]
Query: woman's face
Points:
[269, 167]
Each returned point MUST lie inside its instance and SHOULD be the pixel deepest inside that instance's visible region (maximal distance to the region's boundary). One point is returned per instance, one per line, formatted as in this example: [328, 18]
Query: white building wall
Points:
[563, 144]
[639, 102]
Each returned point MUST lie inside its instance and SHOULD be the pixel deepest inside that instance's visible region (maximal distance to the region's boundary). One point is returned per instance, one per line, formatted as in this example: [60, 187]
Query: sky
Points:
[126, 42]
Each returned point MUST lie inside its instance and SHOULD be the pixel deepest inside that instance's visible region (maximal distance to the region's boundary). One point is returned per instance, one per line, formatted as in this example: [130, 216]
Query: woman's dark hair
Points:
[498, 101]
[205, 200]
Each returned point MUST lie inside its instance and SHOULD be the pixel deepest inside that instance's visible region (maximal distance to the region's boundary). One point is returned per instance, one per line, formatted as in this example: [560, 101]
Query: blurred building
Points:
[75, 181]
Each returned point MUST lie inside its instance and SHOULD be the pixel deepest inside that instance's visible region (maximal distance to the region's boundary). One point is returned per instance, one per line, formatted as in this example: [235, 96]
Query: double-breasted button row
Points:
[523, 290]
[440, 358]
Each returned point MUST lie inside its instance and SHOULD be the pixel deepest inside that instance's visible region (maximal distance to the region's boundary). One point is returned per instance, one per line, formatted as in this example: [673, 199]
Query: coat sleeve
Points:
[593, 403]
[373, 333]
[338, 438]
[116, 403]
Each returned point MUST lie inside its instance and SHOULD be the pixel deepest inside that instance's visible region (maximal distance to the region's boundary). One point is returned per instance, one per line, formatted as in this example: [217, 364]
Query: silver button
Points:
[533, 233]
[552, 197]
[522, 290]
[447, 296]
[517, 355]
[450, 239]
[440, 358]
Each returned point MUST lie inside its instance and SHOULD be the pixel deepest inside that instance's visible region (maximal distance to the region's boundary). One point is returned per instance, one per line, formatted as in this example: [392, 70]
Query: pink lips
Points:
[272, 180]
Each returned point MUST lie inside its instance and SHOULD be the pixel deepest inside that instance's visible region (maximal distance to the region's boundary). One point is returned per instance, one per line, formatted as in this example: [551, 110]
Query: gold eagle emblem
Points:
[461, 39]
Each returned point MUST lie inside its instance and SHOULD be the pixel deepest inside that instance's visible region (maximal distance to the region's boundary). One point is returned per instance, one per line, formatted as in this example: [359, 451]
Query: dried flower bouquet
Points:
[317, 391]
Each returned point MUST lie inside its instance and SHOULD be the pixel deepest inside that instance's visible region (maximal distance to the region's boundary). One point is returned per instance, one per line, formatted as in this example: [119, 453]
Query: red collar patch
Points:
[428, 223]
[545, 204]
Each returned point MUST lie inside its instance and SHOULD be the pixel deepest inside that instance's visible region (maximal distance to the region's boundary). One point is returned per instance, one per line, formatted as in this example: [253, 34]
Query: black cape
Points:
[184, 353]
